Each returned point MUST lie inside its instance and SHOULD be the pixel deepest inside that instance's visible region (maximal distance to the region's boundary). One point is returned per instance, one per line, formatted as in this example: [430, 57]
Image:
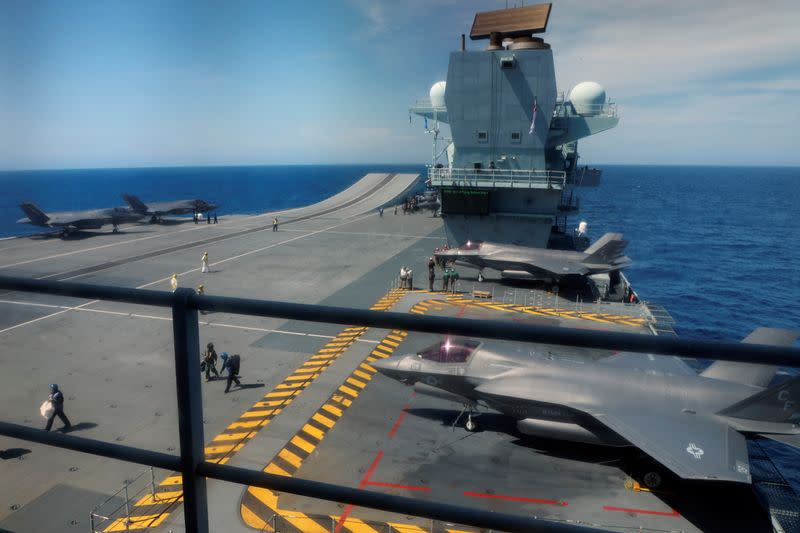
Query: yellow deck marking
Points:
[407, 528]
[257, 414]
[301, 377]
[333, 410]
[275, 469]
[230, 436]
[282, 394]
[325, 421]
[367, 366]
[172, 480]
[355, 382]
[160, 497]
[220, 449]
[314, 432]
[355, 525]
[244, 425]
[393, 344]
[290, 458]
[362, 375]
[252, 519]
[349, 391]
[137, 522]
[302, 444]
[384, 348]
[396, 337]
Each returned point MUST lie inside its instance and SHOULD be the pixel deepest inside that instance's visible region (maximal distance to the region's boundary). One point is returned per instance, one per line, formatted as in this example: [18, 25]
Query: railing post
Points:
[190, 411]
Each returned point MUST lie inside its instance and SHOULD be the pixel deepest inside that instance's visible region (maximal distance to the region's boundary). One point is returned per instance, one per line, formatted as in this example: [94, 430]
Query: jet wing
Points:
[661, 364]
[690, 445]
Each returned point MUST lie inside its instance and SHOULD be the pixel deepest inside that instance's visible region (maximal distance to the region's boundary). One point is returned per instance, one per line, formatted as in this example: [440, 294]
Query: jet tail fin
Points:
[748, 373]
[608, 249]
[36, 215]
[778, 404]
[135, 204]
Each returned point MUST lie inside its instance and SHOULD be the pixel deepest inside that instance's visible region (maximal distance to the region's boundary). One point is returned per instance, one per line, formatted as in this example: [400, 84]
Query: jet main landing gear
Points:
[480, 277]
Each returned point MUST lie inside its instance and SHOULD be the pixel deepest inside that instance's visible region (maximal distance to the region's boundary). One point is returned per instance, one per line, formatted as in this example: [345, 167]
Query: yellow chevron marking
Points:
[324, 420]
[252, 519]
[355, 525]
[349, 391]
[393, 344]
[160, 497]
[369, 367]
[314, 432]
[362, 375]
[302, 444]
[333, 410]
[137, 522]
[257, 414]
[407, 528]
[244, 425]
[290, 458]
[230, 436]
[275, 469]
[356, 383]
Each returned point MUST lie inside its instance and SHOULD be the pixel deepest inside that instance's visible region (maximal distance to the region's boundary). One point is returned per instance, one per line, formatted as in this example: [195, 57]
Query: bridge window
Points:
[483, 136]
[515, 137]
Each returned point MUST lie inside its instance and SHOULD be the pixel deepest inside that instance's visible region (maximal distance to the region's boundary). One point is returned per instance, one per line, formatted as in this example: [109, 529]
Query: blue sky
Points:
[150, 83]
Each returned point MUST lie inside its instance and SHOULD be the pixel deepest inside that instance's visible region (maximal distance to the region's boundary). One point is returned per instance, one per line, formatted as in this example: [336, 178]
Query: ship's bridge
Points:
[496, 178]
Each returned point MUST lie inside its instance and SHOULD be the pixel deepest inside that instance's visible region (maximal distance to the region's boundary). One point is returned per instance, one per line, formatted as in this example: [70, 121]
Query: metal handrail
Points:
[496, 176]
[495, 329]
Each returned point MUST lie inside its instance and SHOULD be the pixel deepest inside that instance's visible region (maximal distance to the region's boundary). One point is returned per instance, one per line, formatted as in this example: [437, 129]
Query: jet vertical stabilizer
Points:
[135, 204]
[35, 215]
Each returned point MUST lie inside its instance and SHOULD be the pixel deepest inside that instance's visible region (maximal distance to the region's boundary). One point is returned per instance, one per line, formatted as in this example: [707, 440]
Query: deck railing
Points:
[494, 177]
[185, 304]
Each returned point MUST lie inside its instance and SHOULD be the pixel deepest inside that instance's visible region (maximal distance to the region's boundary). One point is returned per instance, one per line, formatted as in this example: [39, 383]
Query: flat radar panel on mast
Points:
[513, 22]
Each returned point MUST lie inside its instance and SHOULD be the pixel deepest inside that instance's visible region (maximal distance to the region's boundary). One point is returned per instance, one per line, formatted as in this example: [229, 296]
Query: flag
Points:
[533, 120]
[426, 123]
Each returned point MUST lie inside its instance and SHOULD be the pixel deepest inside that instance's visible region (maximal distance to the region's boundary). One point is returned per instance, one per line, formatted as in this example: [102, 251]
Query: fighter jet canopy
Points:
[450, 351]
[471, 245]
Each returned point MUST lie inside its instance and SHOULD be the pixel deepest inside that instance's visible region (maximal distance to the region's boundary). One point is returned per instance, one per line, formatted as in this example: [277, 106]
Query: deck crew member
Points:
[445, 279]
[275, 224]
[453, 279]
[210, 361]
[409, 279]
[173, 282]
[431, 273]
[201, 290]
[232, 365]
[403, 277]
[204, 261]
[57, 399]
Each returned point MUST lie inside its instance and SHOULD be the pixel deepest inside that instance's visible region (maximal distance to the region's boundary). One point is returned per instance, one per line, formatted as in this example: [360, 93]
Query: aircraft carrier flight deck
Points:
[311, 405]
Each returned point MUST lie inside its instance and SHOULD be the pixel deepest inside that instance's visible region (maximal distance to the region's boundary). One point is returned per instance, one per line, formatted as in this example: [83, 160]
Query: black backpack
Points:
[235, 363]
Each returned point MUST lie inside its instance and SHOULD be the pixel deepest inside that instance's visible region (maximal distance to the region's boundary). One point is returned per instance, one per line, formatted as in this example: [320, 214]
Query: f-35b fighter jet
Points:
[522, 262]
[157, 210]
[70, 221]
[692, 425]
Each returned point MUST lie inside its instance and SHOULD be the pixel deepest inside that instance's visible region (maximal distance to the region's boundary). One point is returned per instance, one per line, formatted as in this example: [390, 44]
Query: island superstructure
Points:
[508, 173]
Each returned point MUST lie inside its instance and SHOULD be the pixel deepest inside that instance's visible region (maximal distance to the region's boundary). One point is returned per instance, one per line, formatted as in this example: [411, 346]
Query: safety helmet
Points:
[210, 345]
[53, 387]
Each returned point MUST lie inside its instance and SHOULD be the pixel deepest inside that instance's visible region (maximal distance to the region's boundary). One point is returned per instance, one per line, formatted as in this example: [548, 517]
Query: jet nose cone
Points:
[386, 366]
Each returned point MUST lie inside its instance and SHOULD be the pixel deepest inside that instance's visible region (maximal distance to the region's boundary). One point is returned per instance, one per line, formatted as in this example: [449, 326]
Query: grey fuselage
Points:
[517, 261]
[79, 220]
[552, 383]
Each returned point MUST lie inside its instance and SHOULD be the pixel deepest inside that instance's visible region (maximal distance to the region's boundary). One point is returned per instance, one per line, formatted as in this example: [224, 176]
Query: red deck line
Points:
[364, 482]
[673, 513]
[515, 498]
[393, 486]
[397, 423]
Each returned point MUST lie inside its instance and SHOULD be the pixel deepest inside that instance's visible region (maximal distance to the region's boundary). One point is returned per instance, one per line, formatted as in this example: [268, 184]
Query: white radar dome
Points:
[588, 98]
[437, 94]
